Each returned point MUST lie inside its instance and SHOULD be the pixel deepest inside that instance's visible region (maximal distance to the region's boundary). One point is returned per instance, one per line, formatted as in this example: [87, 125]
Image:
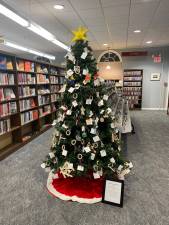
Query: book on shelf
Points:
[29, 116]
[7, 108]
[54, 97]
[20, 65]
[6, 94]
[26, 91]
[24, 78]
[53, 107]
[129, 83]
[42, 78]
[43, 99]
[62, 79]
[29, 66]
[54, 80]
[41, 68]
[54, 88]
[44, 110]
[5, 126]
[43, 90]
[6, 79]
[3, 61]
[27, 104]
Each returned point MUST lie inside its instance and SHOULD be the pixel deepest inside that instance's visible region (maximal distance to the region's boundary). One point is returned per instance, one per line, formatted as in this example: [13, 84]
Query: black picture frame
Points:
[105, 187]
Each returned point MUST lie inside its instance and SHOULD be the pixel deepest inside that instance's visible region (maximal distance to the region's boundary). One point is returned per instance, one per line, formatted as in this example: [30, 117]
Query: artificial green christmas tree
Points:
[85, 141]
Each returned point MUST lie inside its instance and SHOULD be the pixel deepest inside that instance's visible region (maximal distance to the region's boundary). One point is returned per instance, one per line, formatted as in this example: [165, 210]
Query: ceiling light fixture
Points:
[19, 47]
[137, 31]
[148, 42]
[56, 42]
[108, 67]
[105, 44]
[60, 7]
[13, 16]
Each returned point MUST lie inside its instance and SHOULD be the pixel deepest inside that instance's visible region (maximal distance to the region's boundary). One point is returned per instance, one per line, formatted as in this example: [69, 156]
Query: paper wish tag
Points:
[69, 73]
[89, 101]
[84, 54]
[85, 71]
[100, 103]
[69, 112]
[103, 153]
[89, 121]
[51, 155]
[87, 149]
[70, 166]
[64, 152]
[62, 89]
[74, 103]
[71, 90]
[105, 97]
[92, 156]
[102, 111]
[83, 128]
[96, 138]
[96, 175]
[70, 57]
[96, 82]
[93, 131]
[80, 168]
[54, 123]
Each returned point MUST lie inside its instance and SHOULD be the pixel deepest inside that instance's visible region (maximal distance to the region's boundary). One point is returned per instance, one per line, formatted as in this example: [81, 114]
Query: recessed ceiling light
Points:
[137, 31]
[59, 6]
[148, 42]
[105, 44]
[108, 67]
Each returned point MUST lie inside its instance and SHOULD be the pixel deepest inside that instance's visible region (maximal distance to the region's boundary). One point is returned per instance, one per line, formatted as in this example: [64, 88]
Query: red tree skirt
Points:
[80, 189]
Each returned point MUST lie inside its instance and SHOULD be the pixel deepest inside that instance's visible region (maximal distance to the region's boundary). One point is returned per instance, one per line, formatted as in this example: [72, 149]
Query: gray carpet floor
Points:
[24, 199]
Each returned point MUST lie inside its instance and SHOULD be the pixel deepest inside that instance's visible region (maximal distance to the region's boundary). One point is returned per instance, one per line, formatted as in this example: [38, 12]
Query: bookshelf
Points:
[132, 87]
[29, 93]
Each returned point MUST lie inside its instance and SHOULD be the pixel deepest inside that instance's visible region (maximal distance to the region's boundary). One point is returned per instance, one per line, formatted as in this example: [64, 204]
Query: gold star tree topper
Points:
[79, 34]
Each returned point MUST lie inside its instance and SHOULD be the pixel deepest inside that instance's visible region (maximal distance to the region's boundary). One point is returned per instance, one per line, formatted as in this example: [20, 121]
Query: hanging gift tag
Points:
[96, 82]
[100, 103]
[87, 149]
[102, 111]
[103, 153]
[83, 128]
[62, 89]
[112, 160]
[89, 101]
[74, 103]
[85, 71]
[70, 166]
[54, 123]
[69, 72]
[84, 55]
[80, 168]
[96, 138]
[69, 112]
[105, 97]
[89, 121]
[51, 155]
[82, 110]
[64, 152]
[96, 175]
[92, 156]
[71, 90]
[93, 131]
[70, 57]
[120, 168]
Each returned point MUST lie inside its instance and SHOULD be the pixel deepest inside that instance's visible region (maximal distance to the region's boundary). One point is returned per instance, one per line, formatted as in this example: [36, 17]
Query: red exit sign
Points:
[140, 53]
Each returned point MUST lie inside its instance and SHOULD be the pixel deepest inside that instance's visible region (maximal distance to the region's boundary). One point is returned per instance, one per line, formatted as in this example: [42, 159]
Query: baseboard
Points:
[164, 109]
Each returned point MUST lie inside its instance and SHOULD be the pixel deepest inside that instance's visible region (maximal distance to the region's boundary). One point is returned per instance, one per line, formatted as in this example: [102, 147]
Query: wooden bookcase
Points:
[35, 90]
[132, 87]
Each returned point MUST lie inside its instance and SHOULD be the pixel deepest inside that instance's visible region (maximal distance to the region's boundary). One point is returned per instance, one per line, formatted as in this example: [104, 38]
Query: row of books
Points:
[42, 78]
[44, 110]
[43, 99]
[29, 116]
[129, 83]
[26, 66]
[132, 73]
[6, 63]
[43, 90]
[26, 91]
[126, 93]
[27, 104]
[132, 97]
[132, 88]
[62, 72]
[6, 94]
[132, 78]
[53, 71]
[54, 88]
[54, 97]
[54, 80]
[8, 108]
[6, 78]
[24, 78]
[5, 126]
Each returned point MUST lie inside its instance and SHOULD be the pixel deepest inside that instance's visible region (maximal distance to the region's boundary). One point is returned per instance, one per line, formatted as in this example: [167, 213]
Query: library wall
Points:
[154, 92]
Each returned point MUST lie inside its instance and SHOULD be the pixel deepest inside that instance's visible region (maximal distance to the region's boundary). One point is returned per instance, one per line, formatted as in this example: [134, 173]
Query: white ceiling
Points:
[108, 21]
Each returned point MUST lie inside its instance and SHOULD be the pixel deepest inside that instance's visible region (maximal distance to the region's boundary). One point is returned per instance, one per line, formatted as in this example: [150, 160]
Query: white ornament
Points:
[89, 101]
[112, 160]
[43, 165]
[64, 152]
[102, 119]
[51, 155]
[84, 55]
[105, 97]
[87, 149]
[71, 90]
[80, 168]
[100, 103]
[69, 112]
[96, 138]
[77, 86]
[92, 156]
[89, 121]
[103, 153]
[93, 131]
[74, 103]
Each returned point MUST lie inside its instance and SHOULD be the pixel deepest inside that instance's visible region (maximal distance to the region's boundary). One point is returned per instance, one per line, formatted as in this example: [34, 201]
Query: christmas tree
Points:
[85, 141]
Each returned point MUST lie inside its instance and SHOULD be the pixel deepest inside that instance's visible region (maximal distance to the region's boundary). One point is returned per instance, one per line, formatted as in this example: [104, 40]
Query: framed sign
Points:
[113, 192]
[155, 76]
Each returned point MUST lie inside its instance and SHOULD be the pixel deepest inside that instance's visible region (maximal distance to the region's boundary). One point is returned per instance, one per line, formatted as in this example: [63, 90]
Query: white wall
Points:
[154, 92]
